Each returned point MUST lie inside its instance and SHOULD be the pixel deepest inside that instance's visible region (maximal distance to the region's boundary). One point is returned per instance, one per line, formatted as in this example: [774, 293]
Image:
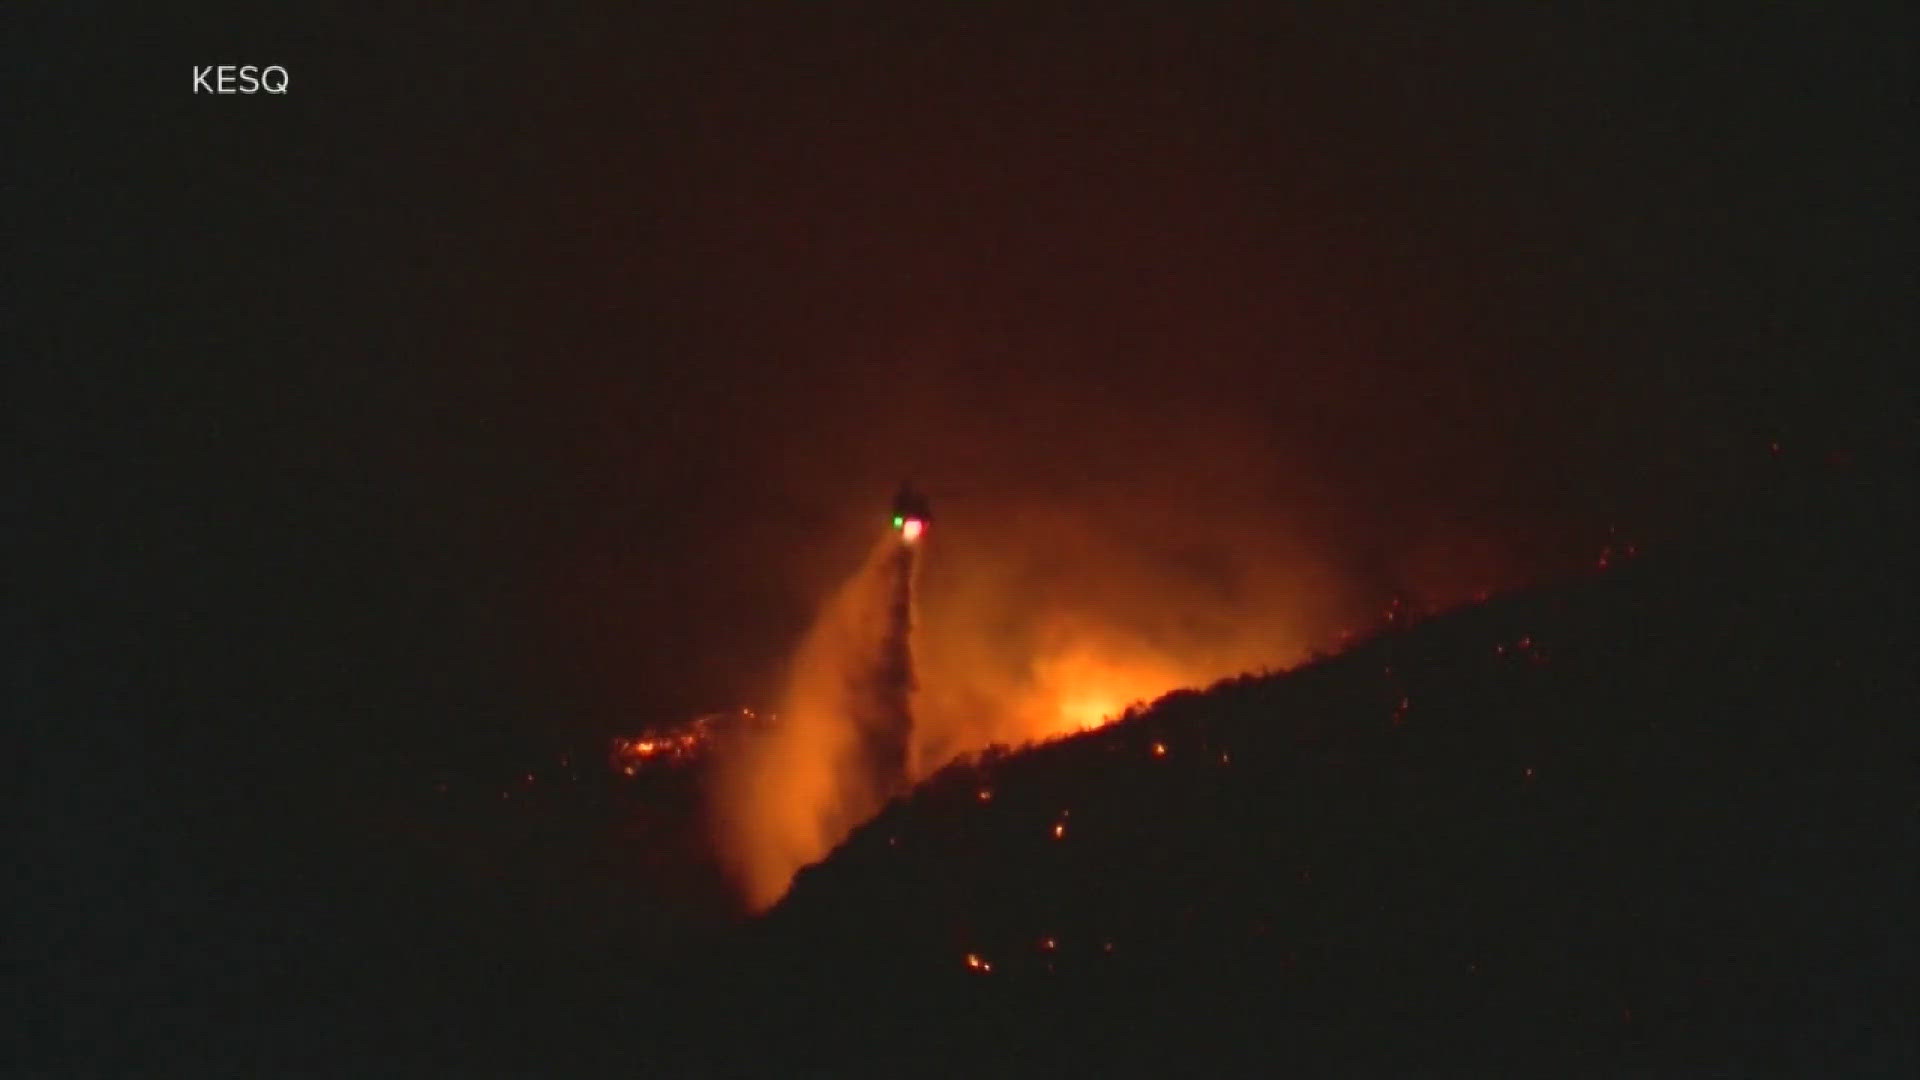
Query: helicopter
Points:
[911, 513]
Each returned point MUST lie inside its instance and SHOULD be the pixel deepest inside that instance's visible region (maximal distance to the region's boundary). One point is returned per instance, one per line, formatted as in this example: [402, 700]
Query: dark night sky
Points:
[525, 369]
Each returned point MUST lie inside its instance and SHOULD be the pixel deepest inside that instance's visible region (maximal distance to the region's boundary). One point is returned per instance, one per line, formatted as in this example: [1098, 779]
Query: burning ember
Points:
[663, 746]
[675, 744]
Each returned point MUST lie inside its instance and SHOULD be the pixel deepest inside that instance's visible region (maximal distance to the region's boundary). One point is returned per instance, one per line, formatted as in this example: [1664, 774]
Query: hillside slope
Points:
[1664, 816]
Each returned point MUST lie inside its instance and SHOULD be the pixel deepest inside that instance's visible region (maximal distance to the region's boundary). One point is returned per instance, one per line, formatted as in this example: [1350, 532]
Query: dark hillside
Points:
[1661, 816]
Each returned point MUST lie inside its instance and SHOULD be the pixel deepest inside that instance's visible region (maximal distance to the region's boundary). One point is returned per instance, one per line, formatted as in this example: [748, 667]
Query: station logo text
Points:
[239, 79]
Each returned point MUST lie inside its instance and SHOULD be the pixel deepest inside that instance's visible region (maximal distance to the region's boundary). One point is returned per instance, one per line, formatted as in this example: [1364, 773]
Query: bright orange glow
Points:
[1059, 831]
[1026, 644]
[1089, 689]
[1159, 749]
